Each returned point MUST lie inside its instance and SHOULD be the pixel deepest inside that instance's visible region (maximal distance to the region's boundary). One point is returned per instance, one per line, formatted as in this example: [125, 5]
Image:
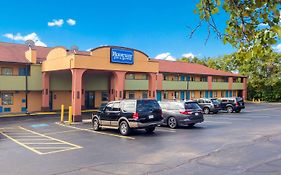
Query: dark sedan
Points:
[181, 113]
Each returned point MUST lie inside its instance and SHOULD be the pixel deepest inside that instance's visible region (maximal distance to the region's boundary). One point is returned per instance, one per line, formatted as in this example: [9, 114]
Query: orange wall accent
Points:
[61, 97]
[34, 101]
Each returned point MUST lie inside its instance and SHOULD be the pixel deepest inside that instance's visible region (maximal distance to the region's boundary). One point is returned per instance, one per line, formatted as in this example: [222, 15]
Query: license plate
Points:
[196, 114]
[151, 116]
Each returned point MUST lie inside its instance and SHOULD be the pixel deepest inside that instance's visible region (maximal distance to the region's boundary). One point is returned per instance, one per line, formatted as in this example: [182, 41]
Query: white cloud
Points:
[165, 56]
[188, 55]
[56, 22]
[277, 48]
[71, 22]
[32, 36]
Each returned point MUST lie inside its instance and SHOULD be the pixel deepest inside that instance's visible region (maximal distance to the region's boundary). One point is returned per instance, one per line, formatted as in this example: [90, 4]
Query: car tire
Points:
[206, 110]
[191, 124]
[124, 128]
[238, 111]
[172, 122]
[96, 125]
[149, 130]
[229, 109]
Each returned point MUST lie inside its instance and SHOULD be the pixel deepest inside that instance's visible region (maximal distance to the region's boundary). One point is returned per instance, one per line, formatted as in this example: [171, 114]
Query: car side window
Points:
[207, 101]
[116, 106]
[129, 106]
[200, 101]
[109, 107]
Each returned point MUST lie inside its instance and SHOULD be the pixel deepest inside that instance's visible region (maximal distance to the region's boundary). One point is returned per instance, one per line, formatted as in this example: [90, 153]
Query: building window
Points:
[222, 94]
[24, 71]
[203, 79]
[192, 94]
[176, 78]
[144, 94]
[130, 76]
[165, 95]
[7, 99]
[165, 77]
[131, 94]
[201, 94]
[215, 94]
[104, 96]
[6, 71]
[192, 78]
[176, 95]
[141, 77]
[225, 79]
[215, 79]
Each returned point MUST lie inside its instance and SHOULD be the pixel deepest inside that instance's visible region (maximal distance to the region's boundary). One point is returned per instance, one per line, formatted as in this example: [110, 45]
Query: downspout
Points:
[26, 88]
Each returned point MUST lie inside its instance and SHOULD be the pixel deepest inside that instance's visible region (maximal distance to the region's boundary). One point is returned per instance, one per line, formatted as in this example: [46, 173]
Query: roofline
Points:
[120, 47]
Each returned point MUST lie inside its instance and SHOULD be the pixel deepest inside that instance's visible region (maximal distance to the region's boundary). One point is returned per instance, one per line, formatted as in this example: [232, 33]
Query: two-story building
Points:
[42, 78]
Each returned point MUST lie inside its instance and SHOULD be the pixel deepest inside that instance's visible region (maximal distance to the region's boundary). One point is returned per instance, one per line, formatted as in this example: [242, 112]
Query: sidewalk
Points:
[40, 113]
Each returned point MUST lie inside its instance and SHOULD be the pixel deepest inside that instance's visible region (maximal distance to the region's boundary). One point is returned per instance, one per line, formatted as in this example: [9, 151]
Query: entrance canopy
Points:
[109, 58]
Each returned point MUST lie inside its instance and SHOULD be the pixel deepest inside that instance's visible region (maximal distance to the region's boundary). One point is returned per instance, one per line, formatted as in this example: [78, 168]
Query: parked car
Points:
[209, 105]
[181, 114]
[129, 114]
[232, 104]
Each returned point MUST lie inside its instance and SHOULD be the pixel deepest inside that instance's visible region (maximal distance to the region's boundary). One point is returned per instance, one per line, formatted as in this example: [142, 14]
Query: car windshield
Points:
[102, 106]
[192, 105]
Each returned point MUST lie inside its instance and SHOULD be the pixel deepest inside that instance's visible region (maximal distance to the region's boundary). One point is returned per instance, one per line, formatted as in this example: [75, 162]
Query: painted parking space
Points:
[37, 142]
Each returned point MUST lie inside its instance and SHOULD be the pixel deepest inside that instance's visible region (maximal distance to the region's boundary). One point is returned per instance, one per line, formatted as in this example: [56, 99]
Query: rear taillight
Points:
[186, 112]
[135, 116]
[237, 104]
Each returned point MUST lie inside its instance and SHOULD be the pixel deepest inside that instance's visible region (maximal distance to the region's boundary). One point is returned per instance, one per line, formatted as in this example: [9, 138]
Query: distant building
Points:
[42, 78]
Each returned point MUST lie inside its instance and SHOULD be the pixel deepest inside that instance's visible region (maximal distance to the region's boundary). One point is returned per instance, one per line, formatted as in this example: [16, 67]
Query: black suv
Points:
[129, 114]
[232, 104]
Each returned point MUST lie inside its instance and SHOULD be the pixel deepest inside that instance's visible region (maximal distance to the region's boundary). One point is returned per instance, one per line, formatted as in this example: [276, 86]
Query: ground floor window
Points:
[215, 94]
[201, 94]
[192, 94]
[165, 95]
[7, 99]
[176, 95]
[131, 94]
[104, 96]
[234, 93]
[144, 94]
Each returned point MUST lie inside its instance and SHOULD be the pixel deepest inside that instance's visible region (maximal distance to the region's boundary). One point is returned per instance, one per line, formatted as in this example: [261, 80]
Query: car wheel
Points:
[124, 128]
[238, 111]
[229, 109]
[206, 110]
[191, 124]
[150, 129]
[172, 122]
[96, 125]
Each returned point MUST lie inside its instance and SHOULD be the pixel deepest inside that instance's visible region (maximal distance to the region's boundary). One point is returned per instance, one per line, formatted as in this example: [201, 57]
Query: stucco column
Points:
[210, 82]
[77, 76]
[152, 85]
[45, 91]
[244, 88]
[230, 82]
[160, 79]
[119, 83]
[111, 87]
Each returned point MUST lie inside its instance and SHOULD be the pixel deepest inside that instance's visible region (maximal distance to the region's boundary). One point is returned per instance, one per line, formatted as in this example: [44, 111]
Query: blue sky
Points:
[154, 27]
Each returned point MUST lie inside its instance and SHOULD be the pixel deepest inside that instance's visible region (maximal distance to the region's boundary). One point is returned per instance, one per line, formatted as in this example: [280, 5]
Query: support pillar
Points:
[45, 91]
[77, 76]
[230, 82]
[210, 82]
[119, 82]
[152, 85]
[244, 94]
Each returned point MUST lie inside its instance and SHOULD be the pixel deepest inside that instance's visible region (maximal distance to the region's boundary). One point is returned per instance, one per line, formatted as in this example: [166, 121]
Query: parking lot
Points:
[244, 143]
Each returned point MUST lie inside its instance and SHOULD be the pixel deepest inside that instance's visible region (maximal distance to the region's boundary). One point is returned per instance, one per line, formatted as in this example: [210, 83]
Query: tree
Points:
[252, 28]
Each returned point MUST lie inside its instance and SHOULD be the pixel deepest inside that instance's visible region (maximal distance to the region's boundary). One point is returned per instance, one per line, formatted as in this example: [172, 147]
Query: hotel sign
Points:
[121, 56]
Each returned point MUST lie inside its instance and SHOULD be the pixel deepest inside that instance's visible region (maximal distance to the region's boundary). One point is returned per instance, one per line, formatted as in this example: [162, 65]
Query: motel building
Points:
[42, 78]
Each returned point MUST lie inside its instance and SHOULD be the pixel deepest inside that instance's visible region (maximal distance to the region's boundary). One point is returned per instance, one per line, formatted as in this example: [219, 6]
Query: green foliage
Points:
[252, 28]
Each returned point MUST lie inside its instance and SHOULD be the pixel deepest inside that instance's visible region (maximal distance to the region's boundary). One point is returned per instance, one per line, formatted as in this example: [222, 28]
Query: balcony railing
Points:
[193, 85]
[136, 85]
[174, 85]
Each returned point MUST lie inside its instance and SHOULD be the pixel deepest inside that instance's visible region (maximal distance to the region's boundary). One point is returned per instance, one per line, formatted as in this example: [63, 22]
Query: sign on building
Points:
[122, 56]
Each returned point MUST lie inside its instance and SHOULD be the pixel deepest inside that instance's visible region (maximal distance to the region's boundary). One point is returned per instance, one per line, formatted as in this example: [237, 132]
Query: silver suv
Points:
[209, 105]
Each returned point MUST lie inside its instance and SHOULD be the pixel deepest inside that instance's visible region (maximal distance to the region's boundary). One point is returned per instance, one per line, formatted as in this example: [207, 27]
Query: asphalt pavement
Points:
[247, 143]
